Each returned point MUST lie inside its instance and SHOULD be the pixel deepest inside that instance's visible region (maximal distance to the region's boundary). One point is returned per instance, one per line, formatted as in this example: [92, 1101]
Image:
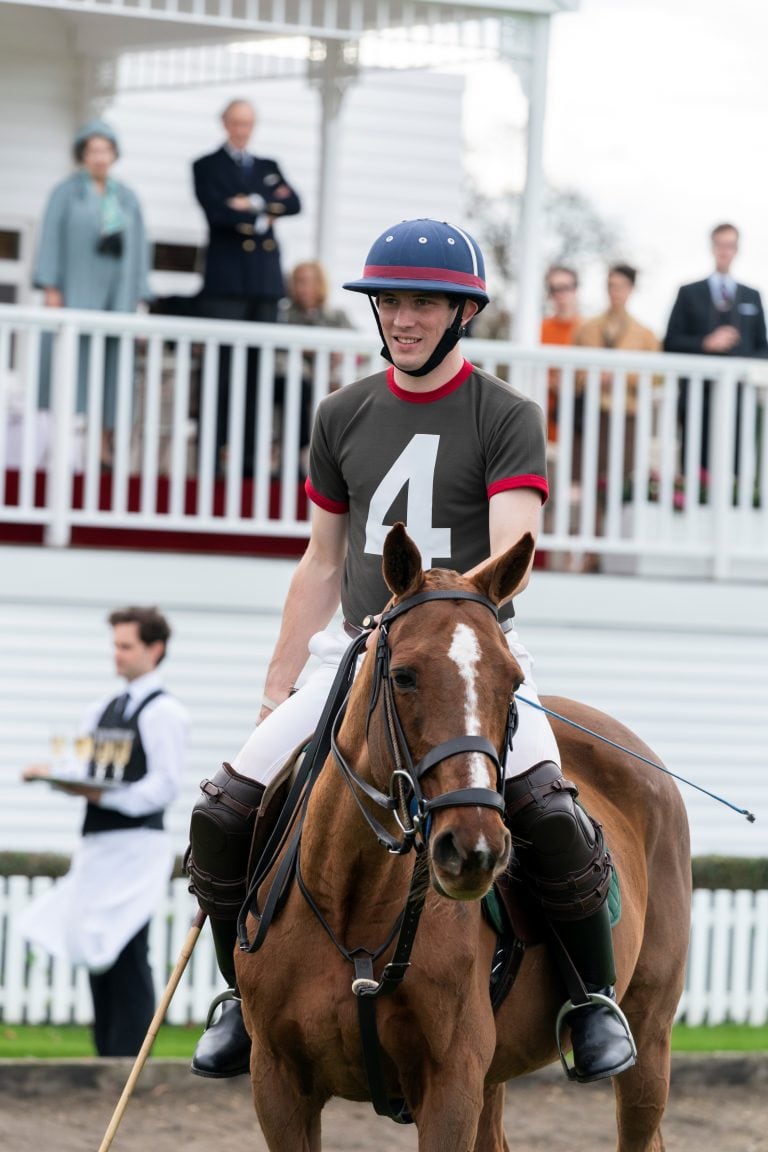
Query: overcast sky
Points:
[658, 111]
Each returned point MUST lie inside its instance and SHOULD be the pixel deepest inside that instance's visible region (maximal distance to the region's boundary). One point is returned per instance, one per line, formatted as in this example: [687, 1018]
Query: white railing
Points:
[726, 978]
[621, 488]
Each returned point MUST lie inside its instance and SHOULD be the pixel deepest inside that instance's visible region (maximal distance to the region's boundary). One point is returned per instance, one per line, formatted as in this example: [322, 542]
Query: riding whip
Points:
[154, 1028]
[750, 816]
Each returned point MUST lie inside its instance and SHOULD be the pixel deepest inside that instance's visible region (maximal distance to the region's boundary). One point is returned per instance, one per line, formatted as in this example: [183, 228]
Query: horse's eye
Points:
[404, 679]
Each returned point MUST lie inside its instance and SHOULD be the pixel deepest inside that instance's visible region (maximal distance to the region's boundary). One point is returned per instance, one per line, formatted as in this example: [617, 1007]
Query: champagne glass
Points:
[58, 744]
[123, 745]
[83, 744]
[103, 753]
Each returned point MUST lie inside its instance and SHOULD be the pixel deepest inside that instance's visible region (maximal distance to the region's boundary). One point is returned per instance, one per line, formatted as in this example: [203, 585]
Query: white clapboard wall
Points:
[684, 664]
[400, 154]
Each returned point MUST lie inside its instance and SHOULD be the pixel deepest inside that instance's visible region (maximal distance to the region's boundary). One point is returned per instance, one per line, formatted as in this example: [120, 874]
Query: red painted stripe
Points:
[526, 481]
[406, 272]
[336, 506]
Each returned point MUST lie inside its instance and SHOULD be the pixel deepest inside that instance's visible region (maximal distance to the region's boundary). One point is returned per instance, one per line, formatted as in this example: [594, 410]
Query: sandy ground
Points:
[718, 1104]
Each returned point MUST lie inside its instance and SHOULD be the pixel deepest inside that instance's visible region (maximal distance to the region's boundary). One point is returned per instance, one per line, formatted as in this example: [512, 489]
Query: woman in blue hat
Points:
[93, 253]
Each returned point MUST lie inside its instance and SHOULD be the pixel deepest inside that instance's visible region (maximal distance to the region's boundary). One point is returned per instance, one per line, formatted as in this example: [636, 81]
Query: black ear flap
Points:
[401, 565]
[498, 578]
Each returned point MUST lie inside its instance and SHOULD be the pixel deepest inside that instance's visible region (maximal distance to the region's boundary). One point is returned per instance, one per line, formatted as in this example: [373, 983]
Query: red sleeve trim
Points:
[527, 481]
[339, 507]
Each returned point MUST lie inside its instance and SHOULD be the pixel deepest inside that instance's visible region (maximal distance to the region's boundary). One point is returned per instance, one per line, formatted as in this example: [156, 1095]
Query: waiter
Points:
[99, 914]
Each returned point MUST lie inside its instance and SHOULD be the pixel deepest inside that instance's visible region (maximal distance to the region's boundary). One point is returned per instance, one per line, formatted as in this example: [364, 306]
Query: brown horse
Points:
[441, 1047]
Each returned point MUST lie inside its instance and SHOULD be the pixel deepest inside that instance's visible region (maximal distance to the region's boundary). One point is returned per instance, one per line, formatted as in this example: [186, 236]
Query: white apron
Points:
[116, 882]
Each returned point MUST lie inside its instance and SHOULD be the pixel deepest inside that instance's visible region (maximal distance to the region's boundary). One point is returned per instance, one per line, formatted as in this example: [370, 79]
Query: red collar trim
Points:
[463, 373]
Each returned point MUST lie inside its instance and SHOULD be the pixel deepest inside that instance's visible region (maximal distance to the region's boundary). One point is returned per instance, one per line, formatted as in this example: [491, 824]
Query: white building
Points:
[675, 646]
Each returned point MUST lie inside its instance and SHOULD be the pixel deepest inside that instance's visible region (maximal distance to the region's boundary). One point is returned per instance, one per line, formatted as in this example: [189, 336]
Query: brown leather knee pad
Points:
[220, 834]
[559, 846]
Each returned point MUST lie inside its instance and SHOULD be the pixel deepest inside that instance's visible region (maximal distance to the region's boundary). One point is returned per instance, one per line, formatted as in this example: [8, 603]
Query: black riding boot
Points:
[221, 832]
[561, 854]
[224, 1049]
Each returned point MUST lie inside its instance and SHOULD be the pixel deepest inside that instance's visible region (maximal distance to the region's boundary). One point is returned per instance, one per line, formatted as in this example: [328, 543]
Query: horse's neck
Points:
[342, 862]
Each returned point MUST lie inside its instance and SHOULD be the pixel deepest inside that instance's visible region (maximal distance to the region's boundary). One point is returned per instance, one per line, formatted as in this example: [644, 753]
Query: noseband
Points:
[411, 808]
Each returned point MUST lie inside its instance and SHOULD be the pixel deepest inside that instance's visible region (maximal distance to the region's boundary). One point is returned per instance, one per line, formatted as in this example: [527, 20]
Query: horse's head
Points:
[444, 684]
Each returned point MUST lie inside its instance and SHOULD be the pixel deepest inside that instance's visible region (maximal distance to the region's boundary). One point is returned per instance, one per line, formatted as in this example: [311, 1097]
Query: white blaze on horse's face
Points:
[465, 653]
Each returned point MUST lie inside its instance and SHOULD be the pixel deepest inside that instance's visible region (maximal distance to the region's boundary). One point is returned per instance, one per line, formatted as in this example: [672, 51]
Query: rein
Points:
[412, 812]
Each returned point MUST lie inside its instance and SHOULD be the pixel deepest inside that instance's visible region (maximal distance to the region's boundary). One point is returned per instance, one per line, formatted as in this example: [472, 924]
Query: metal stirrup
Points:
[594, 998]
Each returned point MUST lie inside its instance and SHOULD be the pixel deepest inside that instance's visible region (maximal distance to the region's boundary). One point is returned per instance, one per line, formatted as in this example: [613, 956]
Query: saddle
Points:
[274, 818]
[519, 923]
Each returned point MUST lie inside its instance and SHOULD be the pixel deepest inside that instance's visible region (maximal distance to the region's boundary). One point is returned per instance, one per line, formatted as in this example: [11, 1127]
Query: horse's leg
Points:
[490, 1130]
[641, 1097]
[447, 1114]
[641, 1092]
[290, 1121]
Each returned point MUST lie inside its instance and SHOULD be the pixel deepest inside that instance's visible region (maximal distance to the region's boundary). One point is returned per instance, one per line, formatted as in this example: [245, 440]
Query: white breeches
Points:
[266, 749]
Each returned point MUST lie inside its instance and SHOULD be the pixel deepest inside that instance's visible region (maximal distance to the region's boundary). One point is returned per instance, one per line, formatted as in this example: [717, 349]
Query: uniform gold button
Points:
[249, 245]
[269, 245]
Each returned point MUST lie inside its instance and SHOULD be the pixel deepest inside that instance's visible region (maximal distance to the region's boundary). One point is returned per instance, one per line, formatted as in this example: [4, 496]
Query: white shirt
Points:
[258, 203]
[164, 731]
[719, 283]
[117, 878]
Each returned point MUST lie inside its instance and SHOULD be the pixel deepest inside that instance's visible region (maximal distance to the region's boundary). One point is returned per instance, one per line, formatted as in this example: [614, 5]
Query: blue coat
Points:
[67, 256]
[241, 261]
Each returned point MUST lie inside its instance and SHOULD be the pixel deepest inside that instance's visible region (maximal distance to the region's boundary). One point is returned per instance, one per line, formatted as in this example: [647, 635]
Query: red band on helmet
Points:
[406, 272]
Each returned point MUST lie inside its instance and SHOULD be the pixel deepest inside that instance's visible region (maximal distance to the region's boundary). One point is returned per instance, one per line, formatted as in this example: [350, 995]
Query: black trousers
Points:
[124, 1000]
[259, 309]
[706, 425]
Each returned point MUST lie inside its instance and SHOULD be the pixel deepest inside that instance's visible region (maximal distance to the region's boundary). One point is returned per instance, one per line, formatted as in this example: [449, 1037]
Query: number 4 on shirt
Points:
[414, 469]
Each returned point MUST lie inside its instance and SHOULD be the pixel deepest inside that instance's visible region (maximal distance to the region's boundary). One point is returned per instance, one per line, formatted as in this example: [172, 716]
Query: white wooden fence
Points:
[726, 979]
[635, 501]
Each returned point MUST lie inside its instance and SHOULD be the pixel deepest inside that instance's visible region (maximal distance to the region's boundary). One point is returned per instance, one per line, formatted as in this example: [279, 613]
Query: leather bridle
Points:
[406, 799]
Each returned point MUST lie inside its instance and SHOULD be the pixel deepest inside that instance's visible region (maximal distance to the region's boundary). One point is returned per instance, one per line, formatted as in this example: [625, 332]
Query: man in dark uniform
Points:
[242, 195]
[715, 317]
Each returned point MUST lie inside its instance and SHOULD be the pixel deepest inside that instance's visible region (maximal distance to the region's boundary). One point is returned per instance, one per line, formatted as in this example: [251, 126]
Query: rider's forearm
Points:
[312, 599]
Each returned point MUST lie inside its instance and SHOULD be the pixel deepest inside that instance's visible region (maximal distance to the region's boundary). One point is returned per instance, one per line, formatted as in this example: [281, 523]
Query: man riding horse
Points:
[458, 456]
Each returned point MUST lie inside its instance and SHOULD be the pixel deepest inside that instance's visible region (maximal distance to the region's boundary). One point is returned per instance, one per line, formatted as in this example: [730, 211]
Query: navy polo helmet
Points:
[424, 256]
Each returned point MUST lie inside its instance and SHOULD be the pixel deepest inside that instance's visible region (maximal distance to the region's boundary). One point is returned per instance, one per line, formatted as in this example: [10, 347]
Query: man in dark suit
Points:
[716, 317]
[242, 195]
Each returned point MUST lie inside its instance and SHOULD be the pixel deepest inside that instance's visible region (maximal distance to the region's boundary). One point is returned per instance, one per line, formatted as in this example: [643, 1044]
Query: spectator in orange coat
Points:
[558, 327]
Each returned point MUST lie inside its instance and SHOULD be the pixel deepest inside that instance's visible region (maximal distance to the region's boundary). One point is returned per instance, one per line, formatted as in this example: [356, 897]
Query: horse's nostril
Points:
[446, 854]
[451, 857]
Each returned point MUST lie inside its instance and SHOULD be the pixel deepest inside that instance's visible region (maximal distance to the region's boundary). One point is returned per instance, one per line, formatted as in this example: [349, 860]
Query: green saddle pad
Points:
[493, 912]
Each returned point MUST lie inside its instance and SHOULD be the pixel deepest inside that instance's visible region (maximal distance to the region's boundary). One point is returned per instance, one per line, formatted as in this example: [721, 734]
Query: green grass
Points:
[56, 1043]
[720, 1038]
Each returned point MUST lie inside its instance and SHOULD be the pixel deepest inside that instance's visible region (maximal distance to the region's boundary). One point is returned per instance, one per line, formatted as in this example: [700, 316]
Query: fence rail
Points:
[637, 479]
[726, 978]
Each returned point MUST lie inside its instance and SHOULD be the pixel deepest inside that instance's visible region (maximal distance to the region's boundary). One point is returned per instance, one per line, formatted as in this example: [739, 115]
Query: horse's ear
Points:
[401, 565]
[499, 577]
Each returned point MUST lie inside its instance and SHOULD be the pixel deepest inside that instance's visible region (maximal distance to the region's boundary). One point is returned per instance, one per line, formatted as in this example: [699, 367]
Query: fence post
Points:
[722, 449]
[58, 493]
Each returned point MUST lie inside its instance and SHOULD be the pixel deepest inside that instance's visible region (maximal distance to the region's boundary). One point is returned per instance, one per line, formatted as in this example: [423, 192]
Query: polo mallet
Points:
[153, 1029]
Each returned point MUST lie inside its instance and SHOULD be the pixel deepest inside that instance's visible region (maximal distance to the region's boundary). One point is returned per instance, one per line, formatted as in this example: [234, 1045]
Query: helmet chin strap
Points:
[446, 343]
